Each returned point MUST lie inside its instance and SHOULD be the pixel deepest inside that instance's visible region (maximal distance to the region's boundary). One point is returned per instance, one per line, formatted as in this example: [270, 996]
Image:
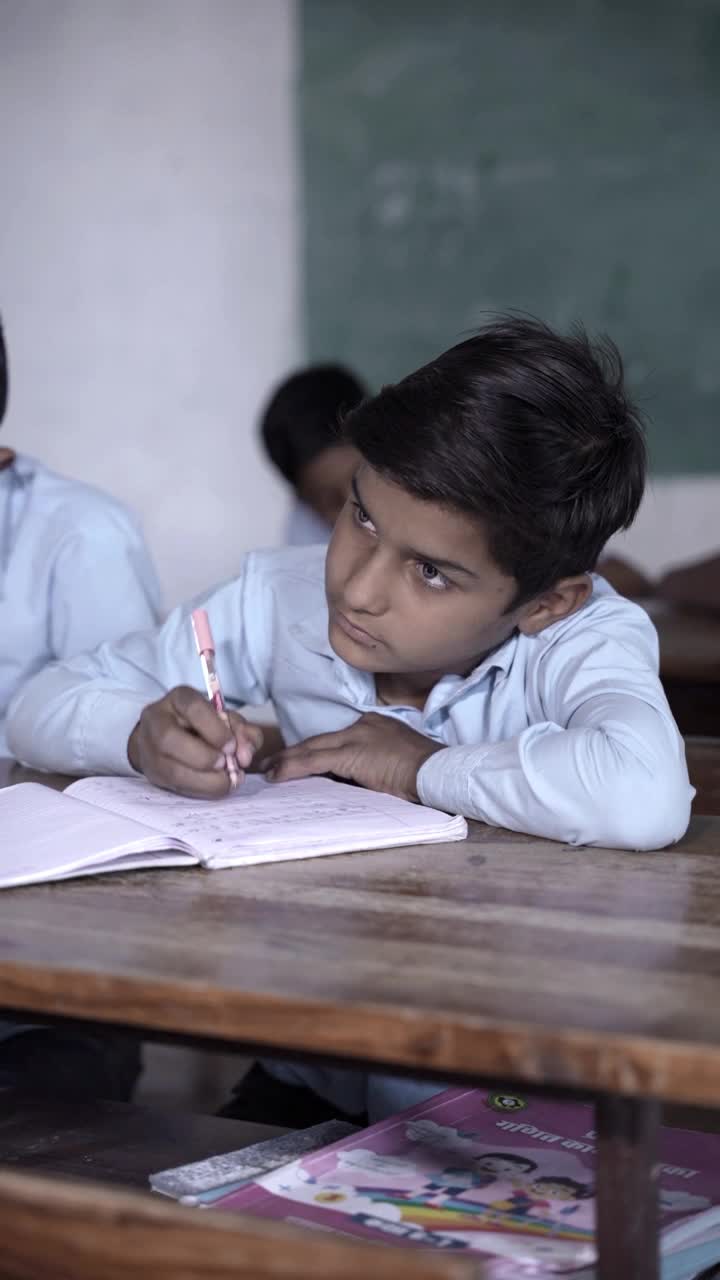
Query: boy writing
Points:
[451, 647]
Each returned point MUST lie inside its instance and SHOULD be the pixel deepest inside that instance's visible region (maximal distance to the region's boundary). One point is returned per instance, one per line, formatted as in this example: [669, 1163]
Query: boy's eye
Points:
[361, 516]
[432, 577]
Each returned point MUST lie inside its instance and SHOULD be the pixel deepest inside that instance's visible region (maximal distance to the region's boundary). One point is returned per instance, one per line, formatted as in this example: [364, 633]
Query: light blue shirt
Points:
[74, 570]
[566, 734]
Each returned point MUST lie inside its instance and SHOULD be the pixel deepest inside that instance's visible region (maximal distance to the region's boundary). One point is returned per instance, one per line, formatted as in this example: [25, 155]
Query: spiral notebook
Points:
[120, 824]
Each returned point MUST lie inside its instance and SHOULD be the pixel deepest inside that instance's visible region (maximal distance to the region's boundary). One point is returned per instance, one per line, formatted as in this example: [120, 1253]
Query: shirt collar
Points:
[312, 632]
[22, 467]
[355, 685]
[500, 659]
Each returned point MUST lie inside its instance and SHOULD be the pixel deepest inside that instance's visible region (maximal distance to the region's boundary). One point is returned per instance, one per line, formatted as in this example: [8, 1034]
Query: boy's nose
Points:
[367, 587]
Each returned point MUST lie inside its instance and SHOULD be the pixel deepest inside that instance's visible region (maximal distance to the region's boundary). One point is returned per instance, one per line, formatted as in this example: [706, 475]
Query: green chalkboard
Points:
[558, 157]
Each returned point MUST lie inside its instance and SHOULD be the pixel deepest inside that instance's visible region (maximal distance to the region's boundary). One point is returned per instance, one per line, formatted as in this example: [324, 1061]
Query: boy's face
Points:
[411, 586]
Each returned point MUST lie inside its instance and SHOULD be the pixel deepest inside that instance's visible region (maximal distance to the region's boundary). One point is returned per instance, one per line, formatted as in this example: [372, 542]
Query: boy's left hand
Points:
[376, 751]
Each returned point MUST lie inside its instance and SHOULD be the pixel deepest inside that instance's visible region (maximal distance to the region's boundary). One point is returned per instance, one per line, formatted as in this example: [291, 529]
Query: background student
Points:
[74, 571]
[300, 429]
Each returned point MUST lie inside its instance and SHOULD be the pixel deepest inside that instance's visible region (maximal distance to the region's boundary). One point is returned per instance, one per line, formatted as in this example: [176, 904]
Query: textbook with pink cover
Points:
[499, 1174]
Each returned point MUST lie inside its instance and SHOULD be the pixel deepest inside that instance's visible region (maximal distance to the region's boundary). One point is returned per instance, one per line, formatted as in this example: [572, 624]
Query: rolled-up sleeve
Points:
[77, 716]
[604, 765]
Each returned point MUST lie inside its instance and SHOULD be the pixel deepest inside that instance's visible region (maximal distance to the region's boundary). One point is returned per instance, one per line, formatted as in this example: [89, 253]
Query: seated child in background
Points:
[300, 432]
[451, 647]
[693, 586]
[74, 570]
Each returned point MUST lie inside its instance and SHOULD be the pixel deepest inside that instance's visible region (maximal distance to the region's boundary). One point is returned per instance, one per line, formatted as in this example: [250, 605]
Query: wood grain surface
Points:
[62, 1231]
[113, 1142]
[501, 957]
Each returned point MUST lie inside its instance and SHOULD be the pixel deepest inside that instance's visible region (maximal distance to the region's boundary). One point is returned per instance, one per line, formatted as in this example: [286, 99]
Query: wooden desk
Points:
[703, 761]
[689, 665]
[504, 958]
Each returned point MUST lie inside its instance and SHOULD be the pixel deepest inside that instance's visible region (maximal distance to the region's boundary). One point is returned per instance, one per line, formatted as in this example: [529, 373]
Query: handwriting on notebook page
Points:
[258, 813]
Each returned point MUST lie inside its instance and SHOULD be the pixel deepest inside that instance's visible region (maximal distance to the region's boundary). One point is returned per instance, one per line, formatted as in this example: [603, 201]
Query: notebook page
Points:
[48, 835]
[263, 821]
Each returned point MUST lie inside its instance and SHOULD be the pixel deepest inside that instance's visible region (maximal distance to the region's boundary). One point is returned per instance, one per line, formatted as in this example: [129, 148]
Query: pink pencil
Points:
[206, 650]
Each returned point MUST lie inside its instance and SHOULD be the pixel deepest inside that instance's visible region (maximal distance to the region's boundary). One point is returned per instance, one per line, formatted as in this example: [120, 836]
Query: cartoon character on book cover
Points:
[463, 1171]
[450, 1185]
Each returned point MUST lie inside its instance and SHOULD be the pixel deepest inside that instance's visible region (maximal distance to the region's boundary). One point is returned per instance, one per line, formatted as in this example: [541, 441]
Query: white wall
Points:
[678, 521]
[149, 265]
[149, 259]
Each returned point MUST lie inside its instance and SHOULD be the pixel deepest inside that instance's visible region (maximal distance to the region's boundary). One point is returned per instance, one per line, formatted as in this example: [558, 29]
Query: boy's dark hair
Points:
[582, 1191]
[303, 415]
[3, 374]
[526, 430]
[530, 1165]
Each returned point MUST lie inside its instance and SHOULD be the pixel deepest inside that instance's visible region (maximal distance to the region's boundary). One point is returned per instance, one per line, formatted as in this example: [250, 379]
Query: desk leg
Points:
[627, 1213]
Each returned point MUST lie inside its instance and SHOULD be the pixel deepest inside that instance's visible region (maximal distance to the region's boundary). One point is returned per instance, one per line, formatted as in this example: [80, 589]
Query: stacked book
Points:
[508, 1178]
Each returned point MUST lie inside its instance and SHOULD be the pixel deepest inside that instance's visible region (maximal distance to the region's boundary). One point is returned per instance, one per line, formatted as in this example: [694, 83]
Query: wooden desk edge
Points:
[435, 1044]
[52, 1227]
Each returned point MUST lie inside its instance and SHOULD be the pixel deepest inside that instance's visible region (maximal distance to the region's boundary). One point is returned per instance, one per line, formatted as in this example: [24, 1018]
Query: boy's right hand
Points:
[180, 743]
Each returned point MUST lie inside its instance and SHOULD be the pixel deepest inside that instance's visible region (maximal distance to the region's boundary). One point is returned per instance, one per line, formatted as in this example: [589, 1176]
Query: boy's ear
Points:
[566, 597]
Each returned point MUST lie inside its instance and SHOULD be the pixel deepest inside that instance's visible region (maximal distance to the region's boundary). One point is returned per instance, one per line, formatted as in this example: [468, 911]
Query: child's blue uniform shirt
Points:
[566, 734]
[74, 570]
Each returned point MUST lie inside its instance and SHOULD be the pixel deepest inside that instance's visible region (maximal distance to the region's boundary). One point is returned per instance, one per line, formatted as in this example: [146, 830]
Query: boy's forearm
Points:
[57, 725]
[579, 786]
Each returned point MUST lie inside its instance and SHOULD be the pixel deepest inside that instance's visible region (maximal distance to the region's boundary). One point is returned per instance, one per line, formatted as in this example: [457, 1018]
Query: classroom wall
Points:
[679, 521]
[149, 249]
[148, 257]
[555, 157]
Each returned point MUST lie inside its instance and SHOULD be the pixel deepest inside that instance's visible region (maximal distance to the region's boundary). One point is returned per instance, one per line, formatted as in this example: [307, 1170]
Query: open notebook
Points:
[118, 824]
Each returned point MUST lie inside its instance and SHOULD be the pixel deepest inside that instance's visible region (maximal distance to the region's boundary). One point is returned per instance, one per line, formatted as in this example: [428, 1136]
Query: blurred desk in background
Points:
[689, 665]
